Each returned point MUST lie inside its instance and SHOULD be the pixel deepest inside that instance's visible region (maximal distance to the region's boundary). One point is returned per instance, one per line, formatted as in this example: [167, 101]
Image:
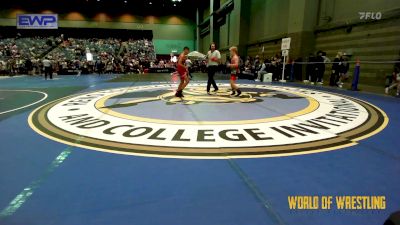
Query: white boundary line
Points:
[11, 110]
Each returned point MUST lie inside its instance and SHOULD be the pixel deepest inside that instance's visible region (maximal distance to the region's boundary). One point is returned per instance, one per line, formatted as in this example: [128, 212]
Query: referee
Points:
[214, 57]
[47, 65]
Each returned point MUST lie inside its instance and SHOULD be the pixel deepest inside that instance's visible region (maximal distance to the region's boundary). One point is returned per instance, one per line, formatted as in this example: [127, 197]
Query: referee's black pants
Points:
[48, 71]
[211, 81]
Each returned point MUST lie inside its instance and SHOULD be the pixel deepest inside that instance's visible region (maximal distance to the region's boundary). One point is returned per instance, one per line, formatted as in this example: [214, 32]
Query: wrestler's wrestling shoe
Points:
[179, 94]
[239, 92]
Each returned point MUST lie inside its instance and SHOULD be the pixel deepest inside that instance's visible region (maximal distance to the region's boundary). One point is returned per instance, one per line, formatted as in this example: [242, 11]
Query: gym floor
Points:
[44, 181]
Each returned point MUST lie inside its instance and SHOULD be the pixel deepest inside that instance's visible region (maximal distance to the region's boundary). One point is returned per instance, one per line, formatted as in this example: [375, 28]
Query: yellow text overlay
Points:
[342, 202]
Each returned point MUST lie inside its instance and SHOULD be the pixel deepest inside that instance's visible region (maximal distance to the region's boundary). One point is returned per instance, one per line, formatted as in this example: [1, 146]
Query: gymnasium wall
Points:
[205, 43]
[340, 29]
[269, 18]
[270, 49]
[169, 33]
[337, 28]
[327, 25]
[345, 10]
[235, 20]
[273, 20]
[378, 41]
[228, 32]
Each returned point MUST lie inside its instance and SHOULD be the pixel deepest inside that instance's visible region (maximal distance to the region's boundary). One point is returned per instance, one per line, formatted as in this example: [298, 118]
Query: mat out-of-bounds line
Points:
[22, 197]
[28, 191]
[25, 106]
[266, 205]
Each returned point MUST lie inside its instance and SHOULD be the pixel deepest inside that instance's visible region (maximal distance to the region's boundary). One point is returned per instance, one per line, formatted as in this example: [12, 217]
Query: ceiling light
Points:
[150, 3]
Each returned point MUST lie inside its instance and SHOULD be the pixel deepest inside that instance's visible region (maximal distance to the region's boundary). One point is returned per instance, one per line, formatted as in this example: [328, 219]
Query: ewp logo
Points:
[37, 21]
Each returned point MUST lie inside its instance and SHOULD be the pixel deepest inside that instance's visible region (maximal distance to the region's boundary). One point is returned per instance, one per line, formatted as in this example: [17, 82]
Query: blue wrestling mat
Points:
[83, 150]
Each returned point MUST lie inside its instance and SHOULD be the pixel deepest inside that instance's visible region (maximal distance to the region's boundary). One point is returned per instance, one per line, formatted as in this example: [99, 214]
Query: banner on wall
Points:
[37, 21]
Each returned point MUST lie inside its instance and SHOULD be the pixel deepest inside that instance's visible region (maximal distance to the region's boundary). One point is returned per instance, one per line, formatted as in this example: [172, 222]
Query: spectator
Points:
[70, 55]
[336, 67]
[109, 67]
[320, 67]
[344, 68]
[256, 64]
[298, 70]
[311, 69]
[99, 66]
[277, 69]
[394, 83]
[248, 63]
[263, 70]
[29, 67]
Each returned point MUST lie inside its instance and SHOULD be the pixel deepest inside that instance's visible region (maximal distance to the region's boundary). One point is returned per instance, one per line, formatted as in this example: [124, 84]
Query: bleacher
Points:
[15, 52]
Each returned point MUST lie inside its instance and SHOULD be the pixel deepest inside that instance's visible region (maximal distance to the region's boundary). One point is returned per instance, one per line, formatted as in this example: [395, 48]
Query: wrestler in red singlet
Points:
[234, 66]
[183, 72]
